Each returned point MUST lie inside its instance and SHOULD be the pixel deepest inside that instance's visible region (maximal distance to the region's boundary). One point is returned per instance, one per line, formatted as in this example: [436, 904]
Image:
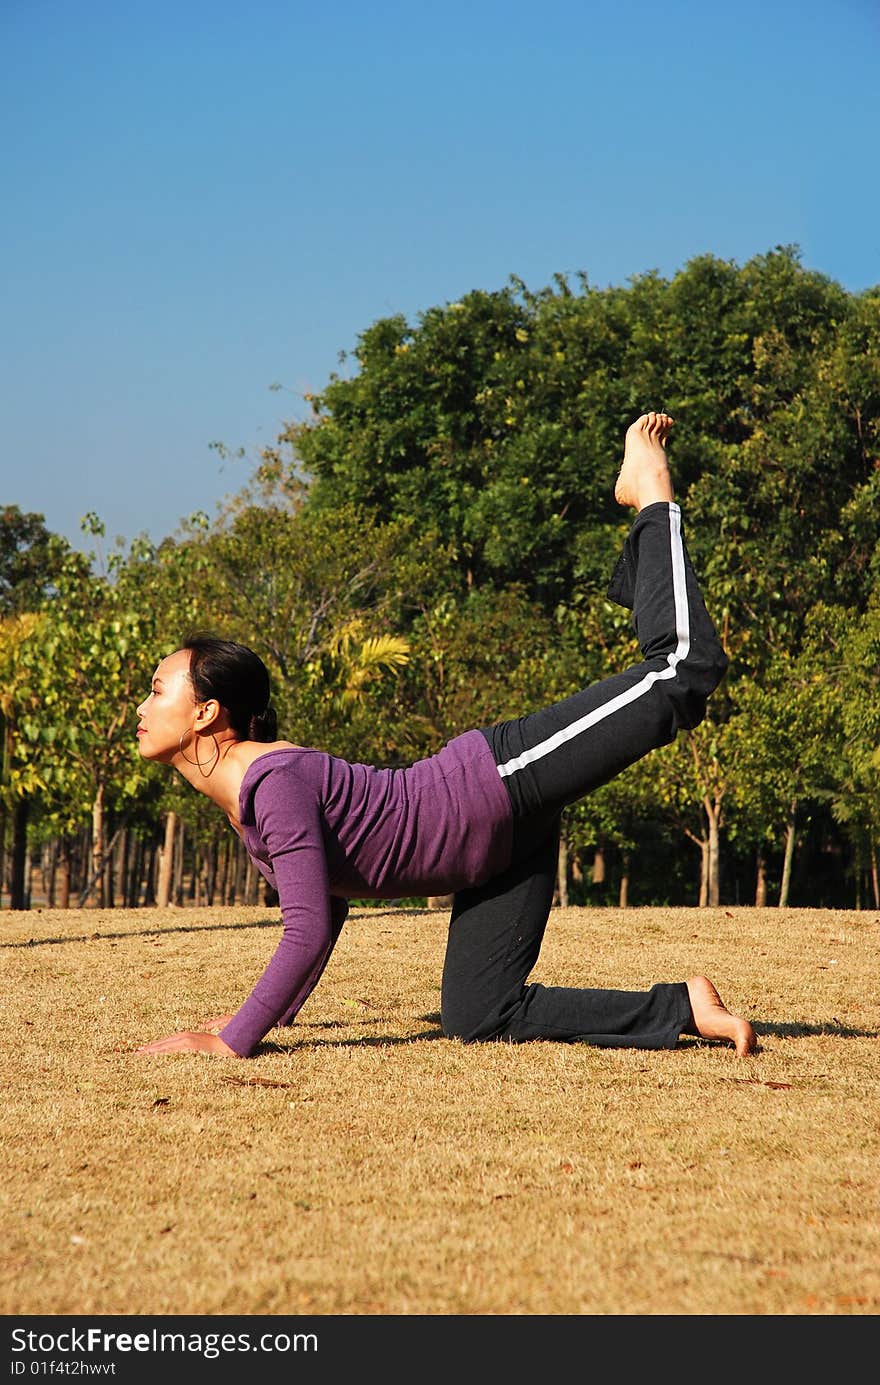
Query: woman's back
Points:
[382, 832]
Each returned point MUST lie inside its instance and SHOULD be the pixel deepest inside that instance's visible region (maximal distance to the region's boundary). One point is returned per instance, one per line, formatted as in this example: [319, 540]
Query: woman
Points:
[479, 820]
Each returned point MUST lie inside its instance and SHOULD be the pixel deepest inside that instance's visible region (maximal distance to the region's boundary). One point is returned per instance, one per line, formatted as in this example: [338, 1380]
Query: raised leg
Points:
[555, 756]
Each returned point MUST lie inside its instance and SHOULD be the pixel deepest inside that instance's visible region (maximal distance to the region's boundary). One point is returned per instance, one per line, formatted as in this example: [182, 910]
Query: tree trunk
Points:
[231, 873]
[222, 870]
[149, 875]
[109, 882]
[761, 881]
[120, 866]
[623, 896]
[166, 863]
[52, 873]
[28, 880]
[179, 846]
[704, 872]
[252, 887]
[95, 870]
[231, 869]
[710, 889]
[17, 881]
[133, 874]
[714, 858]
[789, 855]
[598, 873]
[874, 879]
[562, 872]
[82, 846]
[64, 871]
[242, 861]
[211, 873]
[196, 882]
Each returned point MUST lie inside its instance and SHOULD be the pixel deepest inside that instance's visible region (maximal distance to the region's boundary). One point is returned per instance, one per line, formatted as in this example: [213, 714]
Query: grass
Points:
[362, 1164]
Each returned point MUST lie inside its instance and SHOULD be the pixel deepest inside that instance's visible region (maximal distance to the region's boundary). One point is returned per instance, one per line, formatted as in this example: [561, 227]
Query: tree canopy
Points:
[431, 549]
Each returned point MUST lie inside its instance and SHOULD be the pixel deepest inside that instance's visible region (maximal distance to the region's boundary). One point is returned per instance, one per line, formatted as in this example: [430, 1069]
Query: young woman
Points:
[479, 820]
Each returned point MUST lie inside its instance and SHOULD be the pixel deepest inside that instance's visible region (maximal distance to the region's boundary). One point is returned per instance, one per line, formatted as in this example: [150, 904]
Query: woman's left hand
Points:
[189, 1042]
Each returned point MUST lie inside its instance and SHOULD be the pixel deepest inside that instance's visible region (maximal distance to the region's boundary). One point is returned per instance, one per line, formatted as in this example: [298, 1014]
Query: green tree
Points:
[83, 668]
[325, 598]
[849, 664]
[30, 558]
[783, 749]
[17, 787]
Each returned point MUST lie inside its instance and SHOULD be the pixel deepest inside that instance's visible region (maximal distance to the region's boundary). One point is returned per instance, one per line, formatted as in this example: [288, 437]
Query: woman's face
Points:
[166, 714]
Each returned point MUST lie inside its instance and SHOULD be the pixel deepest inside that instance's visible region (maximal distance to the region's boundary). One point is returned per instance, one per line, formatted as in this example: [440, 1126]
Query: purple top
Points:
[321, 830]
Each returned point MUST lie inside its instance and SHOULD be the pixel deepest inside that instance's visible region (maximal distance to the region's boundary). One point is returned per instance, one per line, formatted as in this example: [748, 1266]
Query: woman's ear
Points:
[207, 715]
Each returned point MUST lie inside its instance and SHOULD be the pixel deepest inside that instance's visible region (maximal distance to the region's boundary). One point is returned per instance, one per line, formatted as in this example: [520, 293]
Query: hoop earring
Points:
[212, 764]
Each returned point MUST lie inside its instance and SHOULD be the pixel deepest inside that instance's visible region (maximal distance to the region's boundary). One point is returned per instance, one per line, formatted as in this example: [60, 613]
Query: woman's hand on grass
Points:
[189, 1042]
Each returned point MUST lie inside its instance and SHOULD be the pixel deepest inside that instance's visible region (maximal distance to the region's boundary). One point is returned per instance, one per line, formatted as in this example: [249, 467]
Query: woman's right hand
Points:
[218, 1022]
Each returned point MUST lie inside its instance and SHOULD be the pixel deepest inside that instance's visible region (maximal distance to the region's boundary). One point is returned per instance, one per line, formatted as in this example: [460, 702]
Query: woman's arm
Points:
[289, 820]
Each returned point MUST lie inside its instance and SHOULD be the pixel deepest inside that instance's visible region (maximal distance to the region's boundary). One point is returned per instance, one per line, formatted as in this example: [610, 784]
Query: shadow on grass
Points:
[780, 1031]
[834, 1029]
[154, 932]
[146, 933]
[366, 1041]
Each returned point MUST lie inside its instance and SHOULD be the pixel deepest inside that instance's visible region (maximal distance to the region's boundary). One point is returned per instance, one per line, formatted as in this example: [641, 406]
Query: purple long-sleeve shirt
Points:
[322, 830]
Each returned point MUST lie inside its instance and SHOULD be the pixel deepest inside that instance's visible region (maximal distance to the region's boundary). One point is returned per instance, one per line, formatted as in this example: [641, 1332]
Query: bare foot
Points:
[713, 1020]
[644, 474]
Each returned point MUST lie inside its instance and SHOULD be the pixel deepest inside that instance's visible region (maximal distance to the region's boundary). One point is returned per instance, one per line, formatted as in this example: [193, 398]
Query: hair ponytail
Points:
[263, 725]
[238, 679]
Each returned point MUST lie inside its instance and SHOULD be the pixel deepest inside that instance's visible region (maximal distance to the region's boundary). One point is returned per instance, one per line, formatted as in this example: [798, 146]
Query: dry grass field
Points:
[361, 1164]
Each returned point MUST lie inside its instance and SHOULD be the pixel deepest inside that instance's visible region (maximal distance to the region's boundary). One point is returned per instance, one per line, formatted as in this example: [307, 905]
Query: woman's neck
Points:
[212, 768]
[219, 774]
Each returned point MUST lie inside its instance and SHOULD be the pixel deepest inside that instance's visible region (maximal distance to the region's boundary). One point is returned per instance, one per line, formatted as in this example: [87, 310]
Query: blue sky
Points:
[203, 201]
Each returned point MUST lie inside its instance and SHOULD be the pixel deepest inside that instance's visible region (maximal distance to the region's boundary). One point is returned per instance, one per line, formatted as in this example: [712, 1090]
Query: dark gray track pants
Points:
[550, 759]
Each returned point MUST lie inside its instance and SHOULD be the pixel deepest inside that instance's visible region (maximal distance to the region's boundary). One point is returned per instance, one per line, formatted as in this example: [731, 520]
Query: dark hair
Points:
[238, 679]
